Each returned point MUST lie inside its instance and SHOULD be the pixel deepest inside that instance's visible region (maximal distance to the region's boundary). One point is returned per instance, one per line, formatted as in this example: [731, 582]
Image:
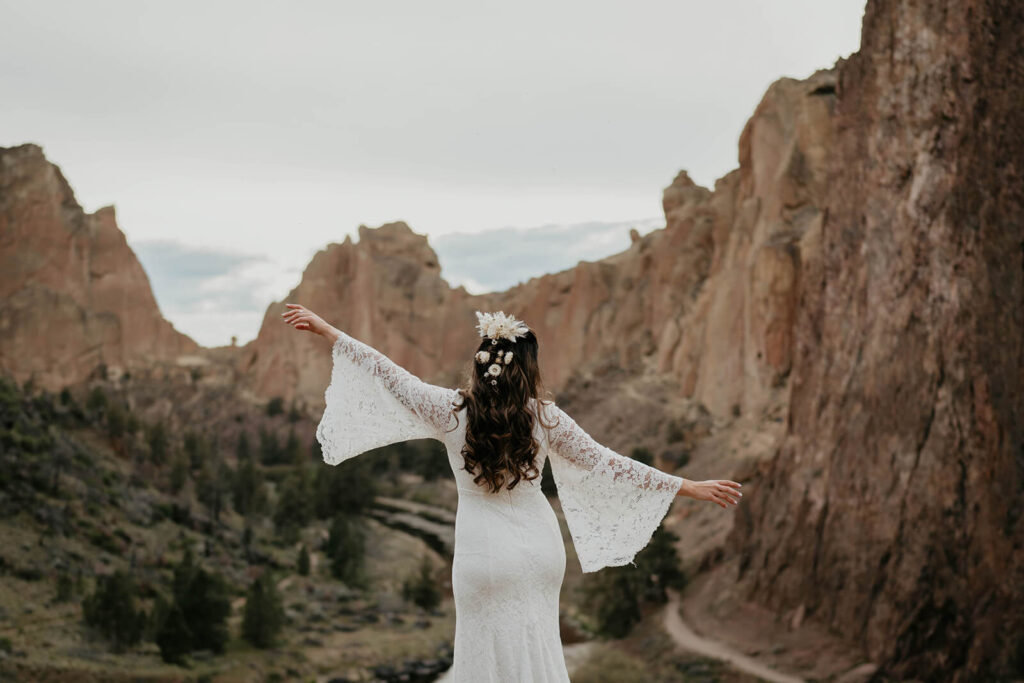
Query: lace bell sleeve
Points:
[371, 402]
[612, 504]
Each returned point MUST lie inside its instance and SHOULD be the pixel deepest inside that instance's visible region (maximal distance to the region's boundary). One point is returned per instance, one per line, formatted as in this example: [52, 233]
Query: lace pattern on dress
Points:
[612, 504]
[372, 402]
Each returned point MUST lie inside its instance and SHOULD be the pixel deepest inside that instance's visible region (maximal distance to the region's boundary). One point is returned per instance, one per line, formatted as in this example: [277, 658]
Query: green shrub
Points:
[643, 455]
[275, 406]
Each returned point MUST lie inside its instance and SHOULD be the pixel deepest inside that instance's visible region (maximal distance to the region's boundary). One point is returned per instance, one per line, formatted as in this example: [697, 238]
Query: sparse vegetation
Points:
[106, 495]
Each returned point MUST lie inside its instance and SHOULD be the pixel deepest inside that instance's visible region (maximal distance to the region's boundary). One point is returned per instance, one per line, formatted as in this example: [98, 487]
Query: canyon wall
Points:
[708, 301]
[859, 278]
[74, 300]
[892, 509]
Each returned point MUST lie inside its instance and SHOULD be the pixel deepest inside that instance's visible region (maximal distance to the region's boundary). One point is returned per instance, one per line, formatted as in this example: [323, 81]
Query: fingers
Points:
[722, 487]
[299, 318]
[723, 499]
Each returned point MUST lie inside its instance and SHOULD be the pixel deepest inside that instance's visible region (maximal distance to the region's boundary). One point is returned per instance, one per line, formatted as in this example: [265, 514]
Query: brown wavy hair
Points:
[500, 447]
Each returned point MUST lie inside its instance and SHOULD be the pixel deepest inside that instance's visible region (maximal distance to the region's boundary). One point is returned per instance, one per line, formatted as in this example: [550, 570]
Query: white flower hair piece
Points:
[483, 357]
[508, 357]
[500, 326]
[494, 370]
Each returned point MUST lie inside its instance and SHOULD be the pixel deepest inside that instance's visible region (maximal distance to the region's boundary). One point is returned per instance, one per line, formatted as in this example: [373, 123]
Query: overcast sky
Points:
[237, 138]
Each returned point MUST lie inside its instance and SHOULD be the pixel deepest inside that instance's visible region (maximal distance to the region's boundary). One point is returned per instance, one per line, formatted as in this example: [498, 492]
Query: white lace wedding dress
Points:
[509, 558]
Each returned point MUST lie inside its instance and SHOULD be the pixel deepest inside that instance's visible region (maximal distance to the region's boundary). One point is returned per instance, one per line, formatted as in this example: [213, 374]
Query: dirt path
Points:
[684, 636]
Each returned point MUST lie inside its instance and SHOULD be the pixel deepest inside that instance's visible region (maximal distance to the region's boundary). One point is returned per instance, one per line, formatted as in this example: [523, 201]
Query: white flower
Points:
[498, 325]
[494, 370]
[483, 356]
[508, 357]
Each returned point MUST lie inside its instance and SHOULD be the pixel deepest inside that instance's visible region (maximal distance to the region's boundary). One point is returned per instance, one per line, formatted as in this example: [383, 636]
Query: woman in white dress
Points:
[509, 558]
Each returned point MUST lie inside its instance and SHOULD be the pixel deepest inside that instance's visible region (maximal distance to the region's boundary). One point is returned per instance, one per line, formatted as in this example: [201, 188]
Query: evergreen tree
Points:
[247, 488]
[242, 450]
[302, 564]
[612, 596]
[659, 565]
[205, 609]
[158, 443]
[96, 402]
[202, 601]
[213, 485]
[615, 595]
[270, 448]
[346, 547]
[264, 614]
[116, 421]
[294, 505]
[111, 610]
[173, 636]
[347, 489]
[293, 450]
[179, 473]
[196, 449]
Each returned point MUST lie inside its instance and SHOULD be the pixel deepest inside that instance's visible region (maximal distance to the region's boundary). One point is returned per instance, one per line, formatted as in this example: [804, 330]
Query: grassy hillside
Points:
[87, 489]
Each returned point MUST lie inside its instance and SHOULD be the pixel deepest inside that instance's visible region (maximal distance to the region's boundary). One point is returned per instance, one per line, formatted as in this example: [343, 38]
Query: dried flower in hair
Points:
[508, 357]
[494, 370]
[483, 356]
[498, 325]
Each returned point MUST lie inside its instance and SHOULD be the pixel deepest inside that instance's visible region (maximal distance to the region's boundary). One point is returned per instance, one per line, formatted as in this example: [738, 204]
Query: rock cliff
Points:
[849, 300]
[74, 300]
[708, 301]
[892, 508]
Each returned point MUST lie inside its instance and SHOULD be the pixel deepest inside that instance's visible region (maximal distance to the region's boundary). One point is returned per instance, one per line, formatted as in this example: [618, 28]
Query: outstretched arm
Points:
[570, 441]
[430, 402]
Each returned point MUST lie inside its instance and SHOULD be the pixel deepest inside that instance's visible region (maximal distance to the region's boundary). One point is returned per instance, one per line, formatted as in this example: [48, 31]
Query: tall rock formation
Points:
[892, 510]
[74, 299]
[708, 301]
[386, 289]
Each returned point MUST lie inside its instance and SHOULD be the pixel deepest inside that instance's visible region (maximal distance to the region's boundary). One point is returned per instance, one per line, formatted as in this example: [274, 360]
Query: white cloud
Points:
[270, 129]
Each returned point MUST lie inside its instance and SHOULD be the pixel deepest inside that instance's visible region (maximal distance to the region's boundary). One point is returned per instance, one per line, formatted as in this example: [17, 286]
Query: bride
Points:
[509, 557]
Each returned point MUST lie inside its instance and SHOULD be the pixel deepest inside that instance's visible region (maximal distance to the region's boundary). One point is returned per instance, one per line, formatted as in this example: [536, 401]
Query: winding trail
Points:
[685, 638]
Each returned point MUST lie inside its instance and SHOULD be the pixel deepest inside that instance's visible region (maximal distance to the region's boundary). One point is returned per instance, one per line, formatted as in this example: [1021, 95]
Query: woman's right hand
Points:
[301, 318]
[720, 491]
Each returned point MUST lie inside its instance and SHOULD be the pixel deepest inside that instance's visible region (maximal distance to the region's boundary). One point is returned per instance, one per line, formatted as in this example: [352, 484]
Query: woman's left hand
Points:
[301, 318]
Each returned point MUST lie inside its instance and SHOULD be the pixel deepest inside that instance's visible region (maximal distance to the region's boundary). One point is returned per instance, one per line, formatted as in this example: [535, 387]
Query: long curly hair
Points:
[500, 446]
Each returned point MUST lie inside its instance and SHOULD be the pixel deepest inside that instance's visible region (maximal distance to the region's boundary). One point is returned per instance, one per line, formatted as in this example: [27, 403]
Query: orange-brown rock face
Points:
[892, 511]
[73, 297]
[708, 300]
[386, 289]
